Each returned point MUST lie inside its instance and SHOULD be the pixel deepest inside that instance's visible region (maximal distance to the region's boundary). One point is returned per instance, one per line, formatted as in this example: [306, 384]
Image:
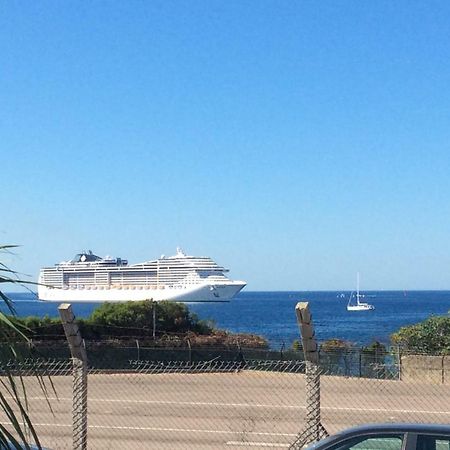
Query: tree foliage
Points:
[334, 345]
[375, 349]
[170, 316]
[430, 336]
[334, 355]
[373, 360]
[121, 320]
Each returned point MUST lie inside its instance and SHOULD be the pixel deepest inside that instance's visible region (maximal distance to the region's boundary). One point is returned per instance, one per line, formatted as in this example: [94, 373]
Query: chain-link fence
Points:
[44, 388]
[211, 399]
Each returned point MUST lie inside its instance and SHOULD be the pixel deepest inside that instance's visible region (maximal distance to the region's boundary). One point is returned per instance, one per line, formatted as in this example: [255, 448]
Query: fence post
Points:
[190, 350]
[79, 370]
[154, 319]
[314, 429]
[360, 362]
[399, 362]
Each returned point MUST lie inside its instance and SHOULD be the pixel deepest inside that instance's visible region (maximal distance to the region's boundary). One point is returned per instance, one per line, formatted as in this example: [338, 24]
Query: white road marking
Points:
[419, 411]
[246, 405]
[169, 402]
[184, 430]
[181, 430]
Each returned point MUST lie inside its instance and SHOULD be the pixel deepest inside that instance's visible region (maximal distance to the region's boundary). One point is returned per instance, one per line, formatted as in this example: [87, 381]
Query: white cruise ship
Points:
[183, 278]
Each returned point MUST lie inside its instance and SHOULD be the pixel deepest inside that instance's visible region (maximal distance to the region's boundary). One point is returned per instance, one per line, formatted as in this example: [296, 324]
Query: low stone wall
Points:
[446, 369]
[425, 369]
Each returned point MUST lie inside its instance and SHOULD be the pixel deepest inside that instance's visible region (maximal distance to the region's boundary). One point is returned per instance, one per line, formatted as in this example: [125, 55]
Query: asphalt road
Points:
[223, 410]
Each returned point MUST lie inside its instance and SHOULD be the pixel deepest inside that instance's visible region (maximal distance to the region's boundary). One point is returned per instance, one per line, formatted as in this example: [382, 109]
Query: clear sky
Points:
[295, 142]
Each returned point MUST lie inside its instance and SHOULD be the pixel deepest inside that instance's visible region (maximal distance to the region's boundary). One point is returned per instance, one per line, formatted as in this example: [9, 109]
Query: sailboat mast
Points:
[357, 288]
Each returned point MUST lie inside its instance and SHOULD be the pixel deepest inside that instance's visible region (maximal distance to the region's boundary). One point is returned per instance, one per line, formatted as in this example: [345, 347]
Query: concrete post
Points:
[79, 367]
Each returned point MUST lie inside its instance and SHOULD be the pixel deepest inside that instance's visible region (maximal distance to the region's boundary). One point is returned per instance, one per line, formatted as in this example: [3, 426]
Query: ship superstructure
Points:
[88, 277]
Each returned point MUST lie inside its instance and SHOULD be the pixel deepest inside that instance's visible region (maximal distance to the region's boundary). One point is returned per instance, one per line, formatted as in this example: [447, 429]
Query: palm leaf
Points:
[4, 319]
[20, 421]
[8, 246]
[23, 408]
[8, 439]
[8, 302]
[4, 404]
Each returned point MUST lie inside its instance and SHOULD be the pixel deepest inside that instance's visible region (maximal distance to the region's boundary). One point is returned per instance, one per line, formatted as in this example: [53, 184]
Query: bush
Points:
[430, 336]
[334, 356]
[373, 360]
[119, 320]
[171, 317]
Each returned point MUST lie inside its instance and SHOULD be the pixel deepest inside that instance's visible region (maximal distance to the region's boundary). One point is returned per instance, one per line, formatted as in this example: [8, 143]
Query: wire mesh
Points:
[208, 404]
[393, 388]
[213, 399]
[45, 389]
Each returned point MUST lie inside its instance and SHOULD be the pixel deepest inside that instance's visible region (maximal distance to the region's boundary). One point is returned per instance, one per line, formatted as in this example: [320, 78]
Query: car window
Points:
[432, 443]
[373, 443]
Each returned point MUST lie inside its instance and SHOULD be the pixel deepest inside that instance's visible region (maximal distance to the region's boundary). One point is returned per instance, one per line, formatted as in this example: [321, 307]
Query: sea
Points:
[272, 314]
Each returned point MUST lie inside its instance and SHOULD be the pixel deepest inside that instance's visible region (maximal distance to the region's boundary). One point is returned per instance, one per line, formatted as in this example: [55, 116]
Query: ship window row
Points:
[132, 278]
[55, 277]
[122, 276]
[139, 270]
[134, 268]
[128, 276]
[81, 283]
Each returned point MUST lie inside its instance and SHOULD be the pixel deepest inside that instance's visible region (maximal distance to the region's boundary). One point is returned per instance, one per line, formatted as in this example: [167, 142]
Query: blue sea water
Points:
[272, 314]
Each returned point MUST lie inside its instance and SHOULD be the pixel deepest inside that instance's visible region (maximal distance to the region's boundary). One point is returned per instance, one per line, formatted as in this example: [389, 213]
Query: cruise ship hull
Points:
[198, 293]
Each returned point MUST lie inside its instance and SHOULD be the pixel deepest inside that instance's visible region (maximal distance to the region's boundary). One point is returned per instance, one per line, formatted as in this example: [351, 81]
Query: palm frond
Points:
[16, 424]
[16, 410]
[8, 302]
[23, 408]
[12, 326]
[8, 439]
[8, 246]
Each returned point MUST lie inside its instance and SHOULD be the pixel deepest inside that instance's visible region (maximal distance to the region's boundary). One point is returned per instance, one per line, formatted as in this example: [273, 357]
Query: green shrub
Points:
[119, 320]
[430, 336]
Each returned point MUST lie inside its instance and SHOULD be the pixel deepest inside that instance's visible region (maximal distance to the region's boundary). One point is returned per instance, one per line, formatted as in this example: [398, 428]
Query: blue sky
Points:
[294, 142]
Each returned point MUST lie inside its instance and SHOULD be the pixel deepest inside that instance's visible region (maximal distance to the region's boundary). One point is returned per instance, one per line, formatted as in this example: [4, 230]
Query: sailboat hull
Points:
[360, 307]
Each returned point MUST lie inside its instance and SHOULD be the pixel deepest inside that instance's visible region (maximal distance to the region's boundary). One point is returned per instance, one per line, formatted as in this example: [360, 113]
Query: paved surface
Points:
[224, 410]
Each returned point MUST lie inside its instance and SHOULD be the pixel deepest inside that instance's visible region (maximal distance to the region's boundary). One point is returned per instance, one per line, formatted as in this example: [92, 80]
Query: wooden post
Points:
[79, 362]
[313, 430]
[304, 320]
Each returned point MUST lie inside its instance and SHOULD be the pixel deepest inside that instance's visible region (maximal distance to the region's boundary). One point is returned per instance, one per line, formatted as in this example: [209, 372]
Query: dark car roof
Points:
[402, 427]
[379, 428]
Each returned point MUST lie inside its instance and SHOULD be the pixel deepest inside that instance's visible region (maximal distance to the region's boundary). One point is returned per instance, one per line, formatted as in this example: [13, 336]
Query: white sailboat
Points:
[359, 306]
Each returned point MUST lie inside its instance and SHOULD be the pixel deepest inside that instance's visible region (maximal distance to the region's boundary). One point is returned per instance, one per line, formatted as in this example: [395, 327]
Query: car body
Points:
[391, 436]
